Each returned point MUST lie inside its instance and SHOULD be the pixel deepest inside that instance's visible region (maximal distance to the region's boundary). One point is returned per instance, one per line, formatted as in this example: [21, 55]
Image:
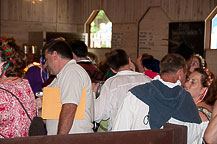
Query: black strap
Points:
[18, 101]
[2, 135]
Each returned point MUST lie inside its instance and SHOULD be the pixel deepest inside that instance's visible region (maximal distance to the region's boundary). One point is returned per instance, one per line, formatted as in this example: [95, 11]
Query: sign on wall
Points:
[146, 40]
[117, 40]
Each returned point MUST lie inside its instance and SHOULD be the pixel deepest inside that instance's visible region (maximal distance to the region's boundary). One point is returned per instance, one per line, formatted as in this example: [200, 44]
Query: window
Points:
[100, 30]
[211, 30]
[214, 33]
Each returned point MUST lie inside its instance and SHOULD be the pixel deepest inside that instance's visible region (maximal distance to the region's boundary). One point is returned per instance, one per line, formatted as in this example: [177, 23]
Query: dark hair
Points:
[79, 48]
[184, 50]
[61, 47]
[208, 80]
[150, 62]
[117, 58]
[171, 63]
[17, 62]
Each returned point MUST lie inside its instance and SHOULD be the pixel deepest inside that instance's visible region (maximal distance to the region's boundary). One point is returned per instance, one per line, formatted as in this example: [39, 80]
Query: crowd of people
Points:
[120, 95]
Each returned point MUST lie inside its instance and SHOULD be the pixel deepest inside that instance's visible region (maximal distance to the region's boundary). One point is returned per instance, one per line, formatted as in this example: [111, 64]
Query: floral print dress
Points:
[13, 120]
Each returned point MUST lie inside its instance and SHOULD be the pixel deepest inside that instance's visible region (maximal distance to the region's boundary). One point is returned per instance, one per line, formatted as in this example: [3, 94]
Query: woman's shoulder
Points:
[205, 111]
[15, 84]
[203, 105]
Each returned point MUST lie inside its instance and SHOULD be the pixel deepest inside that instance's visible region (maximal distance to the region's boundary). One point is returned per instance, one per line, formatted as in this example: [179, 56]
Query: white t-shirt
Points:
[71, 80]
[113, 92]
[131, 116]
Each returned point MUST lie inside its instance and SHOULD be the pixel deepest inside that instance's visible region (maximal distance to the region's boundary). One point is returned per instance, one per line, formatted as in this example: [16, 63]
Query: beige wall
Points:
[211, 59]
[18, 17]
[153, 30]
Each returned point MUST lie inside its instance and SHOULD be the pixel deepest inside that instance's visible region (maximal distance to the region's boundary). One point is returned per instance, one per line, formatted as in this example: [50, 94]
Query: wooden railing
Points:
[171, 134]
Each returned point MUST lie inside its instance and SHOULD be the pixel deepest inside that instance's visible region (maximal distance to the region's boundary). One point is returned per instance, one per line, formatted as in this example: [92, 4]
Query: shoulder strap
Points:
[18, 101]
[2, 135]
[205, 111]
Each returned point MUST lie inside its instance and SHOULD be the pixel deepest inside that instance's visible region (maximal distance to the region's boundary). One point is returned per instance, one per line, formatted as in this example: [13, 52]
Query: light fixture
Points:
[35, 1]
[25, 48]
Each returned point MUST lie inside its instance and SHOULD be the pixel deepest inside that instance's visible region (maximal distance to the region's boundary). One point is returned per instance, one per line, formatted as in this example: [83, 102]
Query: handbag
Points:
[37, 126]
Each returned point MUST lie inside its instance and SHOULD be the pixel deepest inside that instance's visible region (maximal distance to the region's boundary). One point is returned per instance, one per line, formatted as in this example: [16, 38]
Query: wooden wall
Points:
[153, 32]
[0, 18]
[18, 17]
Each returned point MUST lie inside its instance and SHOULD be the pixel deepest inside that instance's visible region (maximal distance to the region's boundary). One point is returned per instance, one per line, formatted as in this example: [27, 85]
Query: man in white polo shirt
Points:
[71, 78]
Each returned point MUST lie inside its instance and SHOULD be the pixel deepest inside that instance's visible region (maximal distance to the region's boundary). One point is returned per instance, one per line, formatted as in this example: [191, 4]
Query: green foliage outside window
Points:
[100, 31]
[100, 18]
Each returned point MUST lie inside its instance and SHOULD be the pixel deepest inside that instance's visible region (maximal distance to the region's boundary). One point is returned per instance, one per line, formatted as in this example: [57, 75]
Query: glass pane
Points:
[100, 31]
[214, 33]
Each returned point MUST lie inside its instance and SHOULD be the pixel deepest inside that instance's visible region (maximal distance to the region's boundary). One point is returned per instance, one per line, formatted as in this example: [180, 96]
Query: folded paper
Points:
[51, 105]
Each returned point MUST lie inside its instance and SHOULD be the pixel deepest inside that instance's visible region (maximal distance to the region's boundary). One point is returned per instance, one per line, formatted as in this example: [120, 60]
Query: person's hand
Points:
[39, 102]
[132, 66]
[139, 64]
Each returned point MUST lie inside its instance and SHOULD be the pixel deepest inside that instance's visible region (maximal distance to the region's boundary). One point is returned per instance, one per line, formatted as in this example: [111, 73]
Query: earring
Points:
[201, 96]
[199, 99]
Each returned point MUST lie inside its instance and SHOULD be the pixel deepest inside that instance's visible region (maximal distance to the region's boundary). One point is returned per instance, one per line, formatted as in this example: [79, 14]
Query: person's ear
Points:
[74, 56]
[179, 74]
[55, 55]
[130, 60]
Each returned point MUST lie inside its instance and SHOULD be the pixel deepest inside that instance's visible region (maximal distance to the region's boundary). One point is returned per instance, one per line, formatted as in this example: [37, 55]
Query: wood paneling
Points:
[126, 38]
[66, 14]
[153, 30]
[124, 10]
[18, 17]
[19, 30]
[73, 11]
[211, 56]
[120, 11]
[24, 10]
[68, 27]
[188, 10]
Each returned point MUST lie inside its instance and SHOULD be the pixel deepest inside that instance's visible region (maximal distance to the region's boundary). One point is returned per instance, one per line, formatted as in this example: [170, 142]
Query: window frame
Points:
[87, 27]
[208, 29]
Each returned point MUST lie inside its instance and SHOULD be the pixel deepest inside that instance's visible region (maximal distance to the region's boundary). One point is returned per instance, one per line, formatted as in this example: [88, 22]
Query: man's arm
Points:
[67, 115]
[101, 104]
